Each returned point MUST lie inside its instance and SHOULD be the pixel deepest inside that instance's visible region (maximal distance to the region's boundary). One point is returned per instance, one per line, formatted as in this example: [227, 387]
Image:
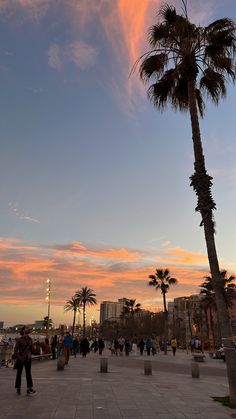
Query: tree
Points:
[209, 300]
[85, 297]
[129, 310]
[72, 305]
[186, 61]
[162, 280]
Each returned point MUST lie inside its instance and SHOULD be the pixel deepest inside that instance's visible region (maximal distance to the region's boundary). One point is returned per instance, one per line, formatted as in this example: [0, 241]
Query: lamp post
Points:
[48, 299]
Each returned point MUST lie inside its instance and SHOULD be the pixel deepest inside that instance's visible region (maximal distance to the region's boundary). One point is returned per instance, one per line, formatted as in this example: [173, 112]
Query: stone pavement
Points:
[81, 391]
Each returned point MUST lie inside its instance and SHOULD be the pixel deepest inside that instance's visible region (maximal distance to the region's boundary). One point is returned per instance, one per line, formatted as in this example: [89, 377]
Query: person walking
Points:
[84, 347]
[148, 346]
[101, 345]
[23, 356]
[67, 343]
[174, 345]
[53, 346]
[141, 346]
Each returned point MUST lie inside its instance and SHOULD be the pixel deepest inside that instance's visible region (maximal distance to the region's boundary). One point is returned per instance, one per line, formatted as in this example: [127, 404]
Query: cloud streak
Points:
[21, 215]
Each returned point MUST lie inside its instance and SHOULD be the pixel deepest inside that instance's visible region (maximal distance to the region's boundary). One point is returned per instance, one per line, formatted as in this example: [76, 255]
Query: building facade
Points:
[111, 310]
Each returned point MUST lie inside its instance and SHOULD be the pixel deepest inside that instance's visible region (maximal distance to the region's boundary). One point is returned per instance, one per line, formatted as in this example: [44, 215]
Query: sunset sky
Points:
[94, 181]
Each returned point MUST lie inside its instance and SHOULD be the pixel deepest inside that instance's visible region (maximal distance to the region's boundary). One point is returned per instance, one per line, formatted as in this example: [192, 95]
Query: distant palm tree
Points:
[72, 305]
[184, 62]
[85, 297]
[162, 280]
[130, 308]
[209, 299]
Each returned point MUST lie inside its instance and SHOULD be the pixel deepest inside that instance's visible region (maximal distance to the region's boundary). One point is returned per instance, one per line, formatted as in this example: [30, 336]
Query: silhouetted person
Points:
[84, 346]
[23, 356]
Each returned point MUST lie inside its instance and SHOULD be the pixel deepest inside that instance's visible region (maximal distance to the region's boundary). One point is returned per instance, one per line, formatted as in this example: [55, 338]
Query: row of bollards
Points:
[147, 366]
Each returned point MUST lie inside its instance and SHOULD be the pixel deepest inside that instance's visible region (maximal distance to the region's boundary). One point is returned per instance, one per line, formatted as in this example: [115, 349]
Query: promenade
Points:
[81, 391]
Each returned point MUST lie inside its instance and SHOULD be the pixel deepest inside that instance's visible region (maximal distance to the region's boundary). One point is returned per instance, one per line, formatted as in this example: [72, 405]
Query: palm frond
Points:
[153, 66]
[214, 84]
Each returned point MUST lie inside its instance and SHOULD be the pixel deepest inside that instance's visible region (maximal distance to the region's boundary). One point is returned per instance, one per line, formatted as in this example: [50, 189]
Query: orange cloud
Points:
[111, 272]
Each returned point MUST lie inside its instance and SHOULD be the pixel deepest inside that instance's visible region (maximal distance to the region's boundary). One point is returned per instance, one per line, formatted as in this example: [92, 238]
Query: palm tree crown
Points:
[85, 297]
[130, 307]
[162, 280]
[181, 52]
[72, 305]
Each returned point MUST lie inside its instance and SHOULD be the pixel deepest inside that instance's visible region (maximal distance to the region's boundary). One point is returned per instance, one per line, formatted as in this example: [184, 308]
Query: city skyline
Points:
[95, 181]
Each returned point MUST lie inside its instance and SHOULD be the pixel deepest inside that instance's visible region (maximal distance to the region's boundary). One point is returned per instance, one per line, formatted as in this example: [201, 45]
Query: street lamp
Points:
[48, 299]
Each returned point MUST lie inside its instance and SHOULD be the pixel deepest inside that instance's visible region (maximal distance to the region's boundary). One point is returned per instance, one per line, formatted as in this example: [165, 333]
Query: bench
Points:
[41, 357]
[198, 357]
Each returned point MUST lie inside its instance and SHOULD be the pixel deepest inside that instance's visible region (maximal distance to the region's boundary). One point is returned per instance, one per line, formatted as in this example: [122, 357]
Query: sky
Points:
[95, 181]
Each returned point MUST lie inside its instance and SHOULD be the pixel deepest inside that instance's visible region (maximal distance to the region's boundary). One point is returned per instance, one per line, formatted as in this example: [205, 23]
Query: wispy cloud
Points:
[31, 9]
[79, 53]
[14, 208]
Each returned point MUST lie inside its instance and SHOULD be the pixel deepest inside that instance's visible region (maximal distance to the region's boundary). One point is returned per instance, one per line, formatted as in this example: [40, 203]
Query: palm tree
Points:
[85, 297]
[186, 61]
[162, 280]
[131, 308]
[72, 305]
[209, 299]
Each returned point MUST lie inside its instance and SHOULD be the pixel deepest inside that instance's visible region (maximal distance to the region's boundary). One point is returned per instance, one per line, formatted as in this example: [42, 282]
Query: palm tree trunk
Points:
[201, 183]
[84, 318]
[165, 323]
[212, 328]
[73, 325]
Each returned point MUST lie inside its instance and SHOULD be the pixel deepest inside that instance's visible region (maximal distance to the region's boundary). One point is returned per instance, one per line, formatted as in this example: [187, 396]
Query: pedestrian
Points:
[141, 346]
[23, 358]
[67, 343]
[75, 346]
[174, 345]
[53, 346]
[148, 346]
[127, 347]
[101, 345]
[84, 347]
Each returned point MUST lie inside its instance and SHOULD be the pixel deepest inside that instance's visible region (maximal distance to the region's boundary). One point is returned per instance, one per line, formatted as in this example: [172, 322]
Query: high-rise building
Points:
[111, 310]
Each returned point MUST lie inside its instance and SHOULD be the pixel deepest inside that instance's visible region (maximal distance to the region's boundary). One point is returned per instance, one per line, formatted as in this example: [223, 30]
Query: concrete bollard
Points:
[103, 365]
[147, 367]
[195, 370]
[60, 363]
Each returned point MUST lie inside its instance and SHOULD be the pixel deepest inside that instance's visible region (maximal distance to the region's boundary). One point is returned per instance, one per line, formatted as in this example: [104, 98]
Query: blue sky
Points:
[85, 159]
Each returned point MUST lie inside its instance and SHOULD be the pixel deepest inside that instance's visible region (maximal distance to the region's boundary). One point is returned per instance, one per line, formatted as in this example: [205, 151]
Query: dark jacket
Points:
[23, 348]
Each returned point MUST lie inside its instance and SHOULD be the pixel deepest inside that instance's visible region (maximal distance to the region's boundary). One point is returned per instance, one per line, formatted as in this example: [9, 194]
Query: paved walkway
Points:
[81, 391]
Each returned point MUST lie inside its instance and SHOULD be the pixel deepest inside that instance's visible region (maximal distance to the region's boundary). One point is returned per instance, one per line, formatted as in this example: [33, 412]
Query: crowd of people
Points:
[151, 345]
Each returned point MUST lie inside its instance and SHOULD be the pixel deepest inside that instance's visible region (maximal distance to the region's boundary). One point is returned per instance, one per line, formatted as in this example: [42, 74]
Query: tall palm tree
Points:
[162, 280]
[186, 61]
[72, 305]
[85, 297]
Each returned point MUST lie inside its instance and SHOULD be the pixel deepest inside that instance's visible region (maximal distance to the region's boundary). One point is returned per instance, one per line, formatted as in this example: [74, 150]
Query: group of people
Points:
[152, 345]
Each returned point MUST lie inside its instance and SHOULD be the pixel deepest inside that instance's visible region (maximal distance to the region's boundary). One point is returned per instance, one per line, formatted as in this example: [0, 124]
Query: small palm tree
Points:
[72, 305]
[162, 280]
[85, 297]
[186, 61]
[130, 308]
[209, 299]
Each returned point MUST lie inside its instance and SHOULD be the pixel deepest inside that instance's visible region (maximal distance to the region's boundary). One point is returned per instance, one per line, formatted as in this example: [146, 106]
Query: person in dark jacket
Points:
[141, 346]
[23, 356]
[101, 345]
[84, 346]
